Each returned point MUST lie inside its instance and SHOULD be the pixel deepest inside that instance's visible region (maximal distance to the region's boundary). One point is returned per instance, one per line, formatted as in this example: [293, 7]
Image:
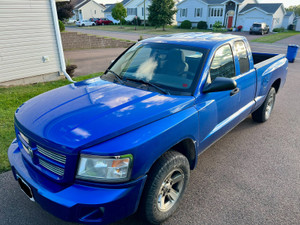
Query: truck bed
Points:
[260, 57]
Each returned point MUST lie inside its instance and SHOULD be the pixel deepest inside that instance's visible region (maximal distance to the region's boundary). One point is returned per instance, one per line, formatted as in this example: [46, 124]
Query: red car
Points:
[103, 21]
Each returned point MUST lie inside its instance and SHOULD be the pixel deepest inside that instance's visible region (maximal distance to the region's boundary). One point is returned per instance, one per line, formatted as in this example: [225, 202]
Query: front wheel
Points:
[165, 187]
[263, 113]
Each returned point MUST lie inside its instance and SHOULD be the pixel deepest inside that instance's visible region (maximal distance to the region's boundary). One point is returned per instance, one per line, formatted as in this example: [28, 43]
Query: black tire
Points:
[160, 180]
[250, 32]
[263, 113]
[83, 25]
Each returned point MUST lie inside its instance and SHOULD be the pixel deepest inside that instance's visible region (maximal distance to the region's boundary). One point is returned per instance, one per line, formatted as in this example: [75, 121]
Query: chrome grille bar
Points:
[52, 155]
[55, 169]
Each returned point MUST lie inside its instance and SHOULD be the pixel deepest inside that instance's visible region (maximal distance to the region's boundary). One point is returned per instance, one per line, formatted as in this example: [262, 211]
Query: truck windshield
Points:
[173, 68]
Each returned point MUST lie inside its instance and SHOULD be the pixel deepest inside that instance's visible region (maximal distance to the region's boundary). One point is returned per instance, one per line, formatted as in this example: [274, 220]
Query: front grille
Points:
[52, 155]
[54, 169]
[52, 161]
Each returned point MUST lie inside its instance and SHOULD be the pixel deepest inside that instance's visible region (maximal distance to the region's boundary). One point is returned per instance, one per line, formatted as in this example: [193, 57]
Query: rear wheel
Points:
[165, 187]
[263, 113]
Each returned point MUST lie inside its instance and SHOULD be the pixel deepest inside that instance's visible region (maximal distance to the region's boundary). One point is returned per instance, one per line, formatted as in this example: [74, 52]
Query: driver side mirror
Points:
[220, 84]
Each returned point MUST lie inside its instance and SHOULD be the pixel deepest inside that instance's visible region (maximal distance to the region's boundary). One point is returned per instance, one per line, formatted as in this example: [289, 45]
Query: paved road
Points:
[122, 35]
[92, 60]
[250, 176]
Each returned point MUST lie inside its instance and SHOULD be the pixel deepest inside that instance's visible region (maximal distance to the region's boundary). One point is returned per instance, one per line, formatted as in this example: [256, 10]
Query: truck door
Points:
[246, 78]
[218, 110]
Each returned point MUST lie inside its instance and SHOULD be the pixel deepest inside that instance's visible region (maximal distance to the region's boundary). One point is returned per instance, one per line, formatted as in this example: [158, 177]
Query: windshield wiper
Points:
[150, 84]
[116, 75]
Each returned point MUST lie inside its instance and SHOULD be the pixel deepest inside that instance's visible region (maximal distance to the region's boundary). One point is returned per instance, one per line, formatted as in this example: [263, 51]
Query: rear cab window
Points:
[241, 52]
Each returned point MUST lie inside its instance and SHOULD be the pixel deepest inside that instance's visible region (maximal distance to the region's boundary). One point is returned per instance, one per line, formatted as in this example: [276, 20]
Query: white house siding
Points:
[277, 18]
[287, 20]
[211, 19]
[131, 5]
[190, 5]
[92, 10]
[254, 15]
[26, 38]
[140, 9]
[298, 24]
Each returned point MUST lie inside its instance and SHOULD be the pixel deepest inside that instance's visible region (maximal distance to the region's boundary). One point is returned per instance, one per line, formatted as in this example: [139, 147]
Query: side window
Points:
[241, 52]
[222, 64]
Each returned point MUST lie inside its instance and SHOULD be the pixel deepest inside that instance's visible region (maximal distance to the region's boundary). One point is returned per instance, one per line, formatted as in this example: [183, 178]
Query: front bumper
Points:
[78, 202]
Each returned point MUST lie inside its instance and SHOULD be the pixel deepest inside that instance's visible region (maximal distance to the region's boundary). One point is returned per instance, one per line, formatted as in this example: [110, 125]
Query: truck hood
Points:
[89, 112]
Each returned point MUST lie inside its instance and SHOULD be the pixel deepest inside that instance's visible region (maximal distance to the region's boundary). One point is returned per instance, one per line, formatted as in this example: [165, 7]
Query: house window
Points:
[131, 11]
[215, 12]
[95, 11]
[142, 11]
[198, 12]
[218, 12]
[183, 12]
[221, 14]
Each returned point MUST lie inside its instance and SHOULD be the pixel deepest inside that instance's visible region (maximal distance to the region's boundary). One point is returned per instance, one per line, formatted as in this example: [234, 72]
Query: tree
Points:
[295, 8]
[161, 13]
[119, 13]
[64, 10]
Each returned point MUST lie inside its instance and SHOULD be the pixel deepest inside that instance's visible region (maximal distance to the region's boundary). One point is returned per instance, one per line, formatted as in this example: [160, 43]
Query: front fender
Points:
[149, 142]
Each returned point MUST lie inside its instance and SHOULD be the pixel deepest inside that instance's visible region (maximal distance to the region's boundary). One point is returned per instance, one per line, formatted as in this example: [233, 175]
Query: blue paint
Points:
[98, 117]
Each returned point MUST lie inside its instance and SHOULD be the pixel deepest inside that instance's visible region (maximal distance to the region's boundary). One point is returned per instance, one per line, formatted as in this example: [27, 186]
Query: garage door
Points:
[28, 44]
[248, 21]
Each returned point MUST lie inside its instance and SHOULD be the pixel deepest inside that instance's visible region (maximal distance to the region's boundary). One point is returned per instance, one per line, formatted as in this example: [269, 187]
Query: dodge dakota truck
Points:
[100, 150]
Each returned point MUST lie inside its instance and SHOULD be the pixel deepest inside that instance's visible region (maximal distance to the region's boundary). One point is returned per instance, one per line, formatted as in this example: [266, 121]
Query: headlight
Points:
[105, 169]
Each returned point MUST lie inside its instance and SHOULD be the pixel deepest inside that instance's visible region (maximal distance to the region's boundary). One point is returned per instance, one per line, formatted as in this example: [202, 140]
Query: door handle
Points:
[234, 91]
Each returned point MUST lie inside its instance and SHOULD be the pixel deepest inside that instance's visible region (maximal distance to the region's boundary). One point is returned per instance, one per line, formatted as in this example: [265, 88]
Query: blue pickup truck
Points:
[97, 151]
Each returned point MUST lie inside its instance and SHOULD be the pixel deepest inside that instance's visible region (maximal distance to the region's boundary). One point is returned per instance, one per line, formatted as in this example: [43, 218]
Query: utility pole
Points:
[144, 14]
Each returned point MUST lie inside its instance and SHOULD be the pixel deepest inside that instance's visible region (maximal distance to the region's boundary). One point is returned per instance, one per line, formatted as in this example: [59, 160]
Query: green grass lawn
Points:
[10, 99]
[275, 37]
[148, 30]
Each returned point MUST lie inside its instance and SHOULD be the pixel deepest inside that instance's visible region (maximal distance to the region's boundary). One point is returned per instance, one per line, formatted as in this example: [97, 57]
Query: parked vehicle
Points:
[82, 23]
[104, 21]
[94, 20]
[71, 20]
[259, 28]
[96, 150]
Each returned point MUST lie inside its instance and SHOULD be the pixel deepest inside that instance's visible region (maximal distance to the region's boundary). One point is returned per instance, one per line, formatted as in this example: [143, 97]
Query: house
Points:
[88, 9]
[288, 19]
[134, 8]
[298, 24]
[32, 52]
[270, 13]
[231, 13]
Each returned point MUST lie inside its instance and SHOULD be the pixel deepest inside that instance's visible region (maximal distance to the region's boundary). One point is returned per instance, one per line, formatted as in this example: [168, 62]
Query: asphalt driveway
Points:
[250, 176]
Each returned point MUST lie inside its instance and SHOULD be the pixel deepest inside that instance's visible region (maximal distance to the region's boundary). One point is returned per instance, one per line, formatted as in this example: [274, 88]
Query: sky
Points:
[286, 3]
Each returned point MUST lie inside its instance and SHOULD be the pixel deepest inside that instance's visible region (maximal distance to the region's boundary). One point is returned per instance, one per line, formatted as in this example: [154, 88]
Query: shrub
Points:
[217, 24]
[61, 26]
[280, 29]
[202, 25]
[136, 21]
[128, 22]
[186, 24]
[221, 30]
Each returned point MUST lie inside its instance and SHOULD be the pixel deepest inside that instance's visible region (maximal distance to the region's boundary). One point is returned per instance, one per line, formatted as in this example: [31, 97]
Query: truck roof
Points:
[204, 40]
